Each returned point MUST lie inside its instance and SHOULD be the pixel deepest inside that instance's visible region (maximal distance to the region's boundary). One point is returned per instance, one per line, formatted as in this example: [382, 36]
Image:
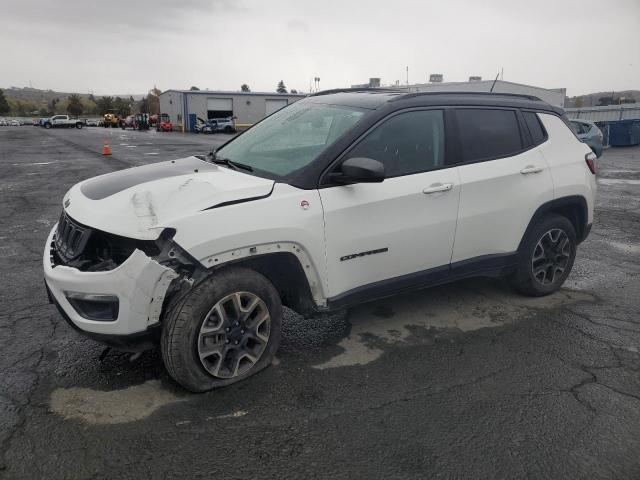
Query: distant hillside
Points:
[600, 98]
[37, 95]
[35, 102]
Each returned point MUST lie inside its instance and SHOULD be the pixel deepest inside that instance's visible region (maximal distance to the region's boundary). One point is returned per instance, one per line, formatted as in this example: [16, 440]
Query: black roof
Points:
[374, 98]
[363, 98]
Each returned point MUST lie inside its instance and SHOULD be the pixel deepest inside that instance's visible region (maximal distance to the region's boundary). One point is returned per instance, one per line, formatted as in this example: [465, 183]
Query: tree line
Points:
[78, 105]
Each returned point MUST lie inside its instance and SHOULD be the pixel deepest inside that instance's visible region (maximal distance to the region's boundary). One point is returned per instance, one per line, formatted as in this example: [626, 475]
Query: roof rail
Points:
[489, 94]
[358, 89]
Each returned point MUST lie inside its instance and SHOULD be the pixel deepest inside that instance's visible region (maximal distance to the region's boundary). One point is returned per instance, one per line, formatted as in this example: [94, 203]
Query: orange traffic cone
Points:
[105, 148]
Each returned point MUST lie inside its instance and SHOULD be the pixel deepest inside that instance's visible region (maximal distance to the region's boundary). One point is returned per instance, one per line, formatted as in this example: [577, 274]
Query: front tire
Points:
[546, 257]
[225, 330]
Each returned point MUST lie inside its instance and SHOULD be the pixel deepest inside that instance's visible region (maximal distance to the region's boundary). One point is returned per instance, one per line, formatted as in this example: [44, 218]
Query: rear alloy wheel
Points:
[224, 330]
[551, 256]
[546, 256]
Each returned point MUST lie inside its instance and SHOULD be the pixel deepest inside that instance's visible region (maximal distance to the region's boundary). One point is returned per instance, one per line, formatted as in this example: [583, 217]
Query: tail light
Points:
[590, 158]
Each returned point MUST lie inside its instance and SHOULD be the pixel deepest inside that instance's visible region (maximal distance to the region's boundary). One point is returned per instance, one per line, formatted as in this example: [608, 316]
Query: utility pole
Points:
[407, 75]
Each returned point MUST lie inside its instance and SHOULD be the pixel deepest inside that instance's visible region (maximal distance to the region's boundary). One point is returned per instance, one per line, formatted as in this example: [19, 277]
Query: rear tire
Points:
[546, 257]
[225, 330]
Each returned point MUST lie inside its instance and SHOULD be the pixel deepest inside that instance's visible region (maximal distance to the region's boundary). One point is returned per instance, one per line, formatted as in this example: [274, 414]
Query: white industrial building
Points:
[607, 113]
[185, 107]
[553, 96]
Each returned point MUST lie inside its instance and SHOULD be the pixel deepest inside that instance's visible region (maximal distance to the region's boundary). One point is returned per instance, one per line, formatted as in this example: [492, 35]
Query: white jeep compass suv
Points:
[340, 198]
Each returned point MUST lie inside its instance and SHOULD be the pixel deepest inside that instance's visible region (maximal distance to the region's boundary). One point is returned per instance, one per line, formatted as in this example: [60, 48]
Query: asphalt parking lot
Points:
[462, 381]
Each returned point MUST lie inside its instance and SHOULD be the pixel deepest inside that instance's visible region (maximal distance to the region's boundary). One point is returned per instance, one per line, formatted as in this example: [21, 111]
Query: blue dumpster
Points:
[623, 133]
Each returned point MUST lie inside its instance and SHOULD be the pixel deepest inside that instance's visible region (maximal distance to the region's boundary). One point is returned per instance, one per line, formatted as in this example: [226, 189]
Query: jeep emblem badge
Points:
[304, 205]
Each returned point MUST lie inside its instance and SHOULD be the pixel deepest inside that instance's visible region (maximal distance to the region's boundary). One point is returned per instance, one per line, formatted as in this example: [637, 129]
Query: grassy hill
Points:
[25, 102]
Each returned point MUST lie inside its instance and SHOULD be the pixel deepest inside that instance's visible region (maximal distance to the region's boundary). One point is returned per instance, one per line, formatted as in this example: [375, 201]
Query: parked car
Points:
[3, 122]
[458, 185]
[63, 121]
[15, 123]
[589, 133]
[226, 125]
[204, 126]
[92, 122]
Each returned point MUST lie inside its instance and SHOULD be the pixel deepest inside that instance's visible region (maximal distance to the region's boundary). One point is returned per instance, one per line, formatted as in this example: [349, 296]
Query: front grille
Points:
[70, 238]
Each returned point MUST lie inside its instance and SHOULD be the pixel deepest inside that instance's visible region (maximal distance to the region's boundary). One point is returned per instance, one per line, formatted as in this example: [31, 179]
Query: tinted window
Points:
[535, 128]
[487, 134]
[407, 143]
[577, 127]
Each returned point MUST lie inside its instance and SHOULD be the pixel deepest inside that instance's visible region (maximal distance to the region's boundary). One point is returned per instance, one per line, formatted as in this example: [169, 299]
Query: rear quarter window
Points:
[538, 135]
[486, 134]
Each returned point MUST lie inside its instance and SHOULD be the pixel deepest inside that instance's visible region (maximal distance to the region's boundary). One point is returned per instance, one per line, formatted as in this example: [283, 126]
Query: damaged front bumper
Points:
[120, 307]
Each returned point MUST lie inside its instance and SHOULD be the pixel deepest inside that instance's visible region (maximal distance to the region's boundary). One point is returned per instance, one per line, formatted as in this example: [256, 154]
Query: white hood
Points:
[139, 202]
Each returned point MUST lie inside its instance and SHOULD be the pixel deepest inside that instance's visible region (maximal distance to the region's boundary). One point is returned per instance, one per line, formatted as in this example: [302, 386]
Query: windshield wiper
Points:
[233, 165]
[225, 161]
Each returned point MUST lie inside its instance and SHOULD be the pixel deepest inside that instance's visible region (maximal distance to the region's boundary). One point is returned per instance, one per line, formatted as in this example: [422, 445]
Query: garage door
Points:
[220, 104]
[273, 105]
[219, 108]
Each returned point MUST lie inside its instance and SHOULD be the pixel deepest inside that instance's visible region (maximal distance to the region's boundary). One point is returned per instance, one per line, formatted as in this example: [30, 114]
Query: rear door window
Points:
[538, 134]
[488, 133]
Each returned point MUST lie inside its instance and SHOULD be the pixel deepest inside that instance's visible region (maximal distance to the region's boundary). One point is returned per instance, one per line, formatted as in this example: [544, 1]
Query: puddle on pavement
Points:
[117, 406]
[460, 308]
[618, 181]
[625, 247]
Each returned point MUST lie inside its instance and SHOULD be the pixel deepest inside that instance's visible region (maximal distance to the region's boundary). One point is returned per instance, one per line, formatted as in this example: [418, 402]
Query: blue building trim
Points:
[185, 114]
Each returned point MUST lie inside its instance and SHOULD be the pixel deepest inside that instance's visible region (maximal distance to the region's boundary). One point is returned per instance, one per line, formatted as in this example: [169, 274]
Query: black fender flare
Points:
[576, 203]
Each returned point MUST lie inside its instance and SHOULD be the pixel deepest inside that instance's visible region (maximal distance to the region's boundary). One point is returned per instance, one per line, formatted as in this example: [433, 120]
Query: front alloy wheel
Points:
[234, 335]
[223, 330]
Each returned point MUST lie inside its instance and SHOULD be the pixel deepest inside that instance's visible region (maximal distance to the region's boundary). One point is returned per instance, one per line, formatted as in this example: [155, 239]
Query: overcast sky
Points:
[118, 46]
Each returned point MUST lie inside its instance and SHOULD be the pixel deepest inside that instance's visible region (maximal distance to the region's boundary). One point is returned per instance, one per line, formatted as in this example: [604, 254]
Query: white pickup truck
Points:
[63, 121]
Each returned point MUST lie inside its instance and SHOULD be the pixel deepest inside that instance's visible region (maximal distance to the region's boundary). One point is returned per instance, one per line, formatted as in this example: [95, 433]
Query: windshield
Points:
[291, 138]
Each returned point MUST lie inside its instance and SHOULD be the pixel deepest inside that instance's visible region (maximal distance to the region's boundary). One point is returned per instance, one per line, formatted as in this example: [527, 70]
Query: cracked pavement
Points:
[463, 380]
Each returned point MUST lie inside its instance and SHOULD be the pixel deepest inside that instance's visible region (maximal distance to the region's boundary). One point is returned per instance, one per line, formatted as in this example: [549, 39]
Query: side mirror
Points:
[359, 170]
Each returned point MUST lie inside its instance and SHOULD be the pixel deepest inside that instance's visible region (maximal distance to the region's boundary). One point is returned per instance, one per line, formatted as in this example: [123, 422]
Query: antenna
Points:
[494, 83]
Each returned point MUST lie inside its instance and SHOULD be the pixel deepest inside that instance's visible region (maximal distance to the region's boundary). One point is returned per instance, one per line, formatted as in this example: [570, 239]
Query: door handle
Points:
[438, 187]
[531, 169]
